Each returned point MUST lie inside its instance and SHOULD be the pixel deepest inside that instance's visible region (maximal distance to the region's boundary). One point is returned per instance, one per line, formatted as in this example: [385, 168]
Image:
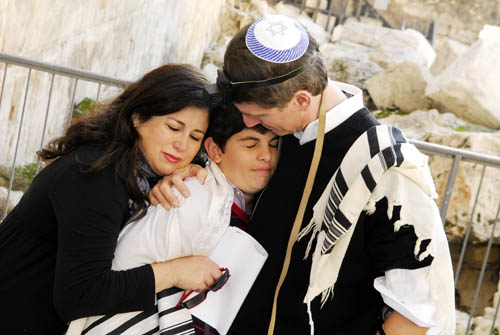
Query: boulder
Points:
[387, 43]
[390, 55]
[235, 17]
[446, 129]
[210, 71]
[447, 51]
[402, 87]
[468, 87]
[348, 62]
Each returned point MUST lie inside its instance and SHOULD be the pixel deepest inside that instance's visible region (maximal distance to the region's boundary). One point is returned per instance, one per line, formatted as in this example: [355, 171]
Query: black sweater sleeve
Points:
[90, 209]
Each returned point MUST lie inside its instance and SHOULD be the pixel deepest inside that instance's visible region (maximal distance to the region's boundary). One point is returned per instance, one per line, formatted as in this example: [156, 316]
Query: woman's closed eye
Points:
[197, 139]
[173, 128]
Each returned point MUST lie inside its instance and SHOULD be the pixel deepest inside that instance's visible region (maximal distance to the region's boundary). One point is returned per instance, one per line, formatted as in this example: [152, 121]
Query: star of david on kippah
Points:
[277, 28]
[277, 39]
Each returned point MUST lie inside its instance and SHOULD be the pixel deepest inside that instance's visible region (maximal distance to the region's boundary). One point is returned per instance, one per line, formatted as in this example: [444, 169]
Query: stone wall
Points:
[120, 38]
[460, 20]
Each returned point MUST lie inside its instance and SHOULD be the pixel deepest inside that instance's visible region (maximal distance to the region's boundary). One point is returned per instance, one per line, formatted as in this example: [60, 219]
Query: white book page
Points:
[244, 257]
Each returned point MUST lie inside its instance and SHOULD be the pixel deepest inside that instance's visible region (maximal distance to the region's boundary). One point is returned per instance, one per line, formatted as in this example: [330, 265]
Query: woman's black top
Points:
[56, 249]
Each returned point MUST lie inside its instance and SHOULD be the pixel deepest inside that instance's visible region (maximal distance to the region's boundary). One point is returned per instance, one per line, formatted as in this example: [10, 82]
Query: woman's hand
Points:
[162, 193]
[190, 273]
[397, 324]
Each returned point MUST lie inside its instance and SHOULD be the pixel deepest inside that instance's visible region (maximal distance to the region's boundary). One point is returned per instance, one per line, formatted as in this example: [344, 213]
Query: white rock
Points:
[210, 71]
[430, 126]
[390, 55]
[490, 33]
[462, 319]
[402, 86]
[469, 86]
[447, 52]
[348, 62]
[386, 38]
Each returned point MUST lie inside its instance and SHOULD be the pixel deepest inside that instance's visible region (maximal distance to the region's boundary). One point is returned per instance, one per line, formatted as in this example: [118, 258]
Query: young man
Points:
[242, 162]
[390, 255]
[373, 256]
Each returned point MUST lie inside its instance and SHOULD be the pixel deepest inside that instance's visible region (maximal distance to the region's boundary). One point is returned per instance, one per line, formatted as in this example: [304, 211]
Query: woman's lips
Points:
[171, 158]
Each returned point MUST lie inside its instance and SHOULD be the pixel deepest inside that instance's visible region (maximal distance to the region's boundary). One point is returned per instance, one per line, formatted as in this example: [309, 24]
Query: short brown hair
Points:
[241, 65]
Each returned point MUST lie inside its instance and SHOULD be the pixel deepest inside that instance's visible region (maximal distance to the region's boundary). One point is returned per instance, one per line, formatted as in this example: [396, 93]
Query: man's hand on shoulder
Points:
[162, 193]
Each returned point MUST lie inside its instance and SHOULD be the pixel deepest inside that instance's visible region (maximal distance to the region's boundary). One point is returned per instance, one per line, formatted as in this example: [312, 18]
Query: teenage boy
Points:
[242, 160]
[373, 239]
[372, 256]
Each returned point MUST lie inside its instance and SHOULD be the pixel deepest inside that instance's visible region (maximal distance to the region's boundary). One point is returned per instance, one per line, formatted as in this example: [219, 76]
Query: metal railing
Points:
[77, 76]
[456, 155]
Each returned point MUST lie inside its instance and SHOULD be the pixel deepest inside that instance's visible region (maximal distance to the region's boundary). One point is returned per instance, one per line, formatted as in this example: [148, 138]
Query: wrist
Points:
[164, 274]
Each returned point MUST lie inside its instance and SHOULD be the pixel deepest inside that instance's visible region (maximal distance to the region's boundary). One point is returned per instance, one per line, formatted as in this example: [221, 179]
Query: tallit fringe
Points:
[306, 230]
[370, 207]
[328, 293]
[311, 322]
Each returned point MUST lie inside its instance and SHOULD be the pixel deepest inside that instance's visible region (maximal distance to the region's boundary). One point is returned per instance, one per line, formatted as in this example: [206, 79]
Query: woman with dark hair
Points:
[58, 243]
[241, 162]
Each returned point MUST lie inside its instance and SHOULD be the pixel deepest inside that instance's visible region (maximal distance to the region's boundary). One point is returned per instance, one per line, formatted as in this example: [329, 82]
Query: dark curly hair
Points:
[165, 90]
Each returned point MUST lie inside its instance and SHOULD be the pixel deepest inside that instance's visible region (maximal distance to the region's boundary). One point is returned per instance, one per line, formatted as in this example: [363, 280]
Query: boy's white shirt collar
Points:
[239, 197]
[336, 115]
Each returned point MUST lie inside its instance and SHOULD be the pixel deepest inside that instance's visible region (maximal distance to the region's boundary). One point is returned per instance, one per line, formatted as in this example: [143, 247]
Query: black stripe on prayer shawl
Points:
[367, 177]
[398, 135]
[333, 233]
[342, 220]
[170, 310]
[168, 291]
[334, 221]
[152, 331]
[373, 141]
[179, 329]
[399, 155]
[131, 322]
[341, 184]
[389, 158]
[335, 197]
[96, 323]
[329, 210]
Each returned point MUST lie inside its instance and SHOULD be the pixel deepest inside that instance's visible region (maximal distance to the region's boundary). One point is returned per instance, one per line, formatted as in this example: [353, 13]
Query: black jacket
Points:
[56, 249]
[355, 307]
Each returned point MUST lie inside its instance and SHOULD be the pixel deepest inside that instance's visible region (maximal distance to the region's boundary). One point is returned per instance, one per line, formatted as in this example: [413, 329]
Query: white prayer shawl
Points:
[381, 163]
[194, 228]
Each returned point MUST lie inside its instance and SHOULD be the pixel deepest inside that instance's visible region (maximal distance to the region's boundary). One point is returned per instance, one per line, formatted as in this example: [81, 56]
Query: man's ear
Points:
[213, 150]
[302, 99]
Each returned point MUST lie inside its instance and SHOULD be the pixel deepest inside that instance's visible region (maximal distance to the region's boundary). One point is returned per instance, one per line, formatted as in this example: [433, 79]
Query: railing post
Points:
[72, 104]
[13, 170]
[449, 187]
[45, 121]
[469, 227]
[358, 9]
[3, 83]
[481, 274]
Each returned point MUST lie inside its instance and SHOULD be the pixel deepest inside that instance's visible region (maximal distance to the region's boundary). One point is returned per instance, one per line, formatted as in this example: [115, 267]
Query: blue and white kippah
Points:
[277, 39]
